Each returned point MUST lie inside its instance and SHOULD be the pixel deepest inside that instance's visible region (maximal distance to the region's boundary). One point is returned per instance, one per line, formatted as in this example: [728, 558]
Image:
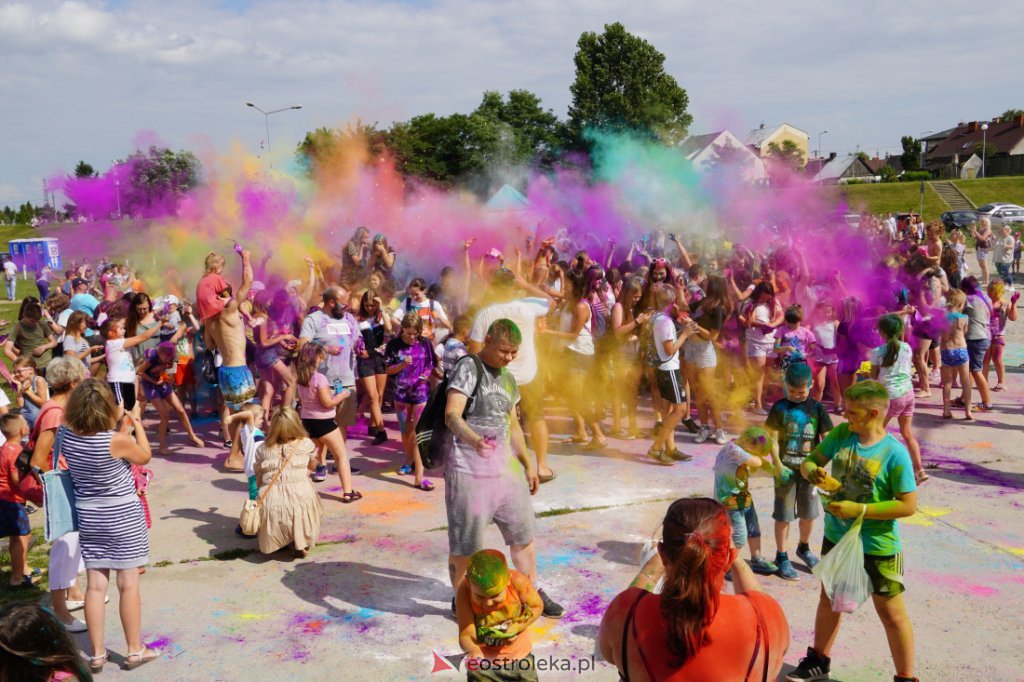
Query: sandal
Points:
[957, 402]
[983, 407]
[27, 581]
[574, 440]
[596, 445]
[920, 477]
[96, 663]
[547, 479]
[425, 485]
[405, 469]
[351, 497]
[134, 660]
[999, 387]
[623, 434]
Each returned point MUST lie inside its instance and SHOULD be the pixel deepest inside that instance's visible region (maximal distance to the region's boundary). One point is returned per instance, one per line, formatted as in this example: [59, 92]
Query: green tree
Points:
[727, 159]
[85, 170]
[985, 150]
[443, 149]
[323, 143]
[157, 179]
[621, 84]
[783, 160]
[911, 157]
[1011, 114]
[527, 131]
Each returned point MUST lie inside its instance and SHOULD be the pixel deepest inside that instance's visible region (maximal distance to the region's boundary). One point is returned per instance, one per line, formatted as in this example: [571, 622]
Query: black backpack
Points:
[431, 430]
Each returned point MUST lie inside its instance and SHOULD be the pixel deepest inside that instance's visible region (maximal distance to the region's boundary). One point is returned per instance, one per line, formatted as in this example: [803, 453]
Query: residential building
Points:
[759, 139]
[723, 150]
[838, 170]
[951, 155]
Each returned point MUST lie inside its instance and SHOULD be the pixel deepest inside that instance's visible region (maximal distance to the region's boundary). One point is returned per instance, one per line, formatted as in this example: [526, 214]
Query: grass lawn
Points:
[993, 189]
[38, 557]
[897, 197]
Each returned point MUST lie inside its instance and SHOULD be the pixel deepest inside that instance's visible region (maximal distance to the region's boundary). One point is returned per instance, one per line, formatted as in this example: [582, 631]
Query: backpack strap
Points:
[478, 363]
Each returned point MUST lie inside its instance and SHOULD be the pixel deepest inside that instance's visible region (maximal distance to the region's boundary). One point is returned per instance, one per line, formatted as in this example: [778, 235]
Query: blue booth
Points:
[33, 254]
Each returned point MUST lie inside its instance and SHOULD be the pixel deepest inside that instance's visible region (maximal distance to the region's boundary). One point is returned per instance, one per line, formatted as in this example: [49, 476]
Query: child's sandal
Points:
[351, 497]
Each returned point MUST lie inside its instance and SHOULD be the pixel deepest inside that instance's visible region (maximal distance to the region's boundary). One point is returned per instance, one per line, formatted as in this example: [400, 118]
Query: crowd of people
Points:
[752, 349]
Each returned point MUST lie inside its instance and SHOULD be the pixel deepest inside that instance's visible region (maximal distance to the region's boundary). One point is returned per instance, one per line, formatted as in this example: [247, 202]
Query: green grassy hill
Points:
[906, 196]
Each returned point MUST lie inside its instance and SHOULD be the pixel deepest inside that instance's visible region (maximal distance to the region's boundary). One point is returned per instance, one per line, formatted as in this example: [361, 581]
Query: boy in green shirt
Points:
[877, 479]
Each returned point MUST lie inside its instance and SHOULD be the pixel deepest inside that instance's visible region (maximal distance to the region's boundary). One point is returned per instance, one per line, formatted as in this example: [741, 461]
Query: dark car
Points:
[958, 219]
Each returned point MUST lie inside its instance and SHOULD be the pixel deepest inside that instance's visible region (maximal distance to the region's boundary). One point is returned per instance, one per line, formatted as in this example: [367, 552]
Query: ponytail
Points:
[890, 327]
[696, 546]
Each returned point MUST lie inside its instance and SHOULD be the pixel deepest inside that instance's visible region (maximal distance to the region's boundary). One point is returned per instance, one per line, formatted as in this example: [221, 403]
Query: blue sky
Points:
[81, 78]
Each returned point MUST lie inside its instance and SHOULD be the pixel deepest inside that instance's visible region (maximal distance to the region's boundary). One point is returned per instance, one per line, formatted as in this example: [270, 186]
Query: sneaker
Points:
[381, 437]
[786, 570]
[320, 473]
[703, 434]
[812, 667]
[762, 566]
[405, 469]
[690, 425]
[808, 557]
[551, 608]
[720, 437]
[660, 457]
[74, 626]
[679, 456]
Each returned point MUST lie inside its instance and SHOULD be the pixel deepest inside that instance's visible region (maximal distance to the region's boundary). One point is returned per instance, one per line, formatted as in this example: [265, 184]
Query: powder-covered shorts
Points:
[474, 502]
[154, 391]
[700, 353]
[795, 499]
[237, 386]
[954, 357]
[902, 406]
[760, 349]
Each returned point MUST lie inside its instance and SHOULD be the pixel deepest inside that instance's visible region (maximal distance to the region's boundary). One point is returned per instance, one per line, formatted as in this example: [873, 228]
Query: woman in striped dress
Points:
[99, 449]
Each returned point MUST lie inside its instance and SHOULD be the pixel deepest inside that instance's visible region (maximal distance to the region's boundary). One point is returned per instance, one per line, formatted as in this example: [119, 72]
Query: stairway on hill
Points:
[952, 196]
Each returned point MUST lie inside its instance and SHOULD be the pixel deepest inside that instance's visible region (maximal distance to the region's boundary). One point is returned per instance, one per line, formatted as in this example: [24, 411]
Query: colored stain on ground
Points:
[384, 503]
[978, 446]
[589, 609]
[926, 516]
[252, 616]
[308, 624]
[957, 585]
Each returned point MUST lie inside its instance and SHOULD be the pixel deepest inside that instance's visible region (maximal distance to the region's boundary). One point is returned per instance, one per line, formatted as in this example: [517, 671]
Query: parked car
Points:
[1002, 213]
[958, 219]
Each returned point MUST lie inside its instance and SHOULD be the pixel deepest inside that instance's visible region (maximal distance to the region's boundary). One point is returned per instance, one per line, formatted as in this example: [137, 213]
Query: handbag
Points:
[59, 495]
[249, 519]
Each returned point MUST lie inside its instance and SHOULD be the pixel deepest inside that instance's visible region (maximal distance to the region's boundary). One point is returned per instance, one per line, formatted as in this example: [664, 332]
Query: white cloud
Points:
[79, 79]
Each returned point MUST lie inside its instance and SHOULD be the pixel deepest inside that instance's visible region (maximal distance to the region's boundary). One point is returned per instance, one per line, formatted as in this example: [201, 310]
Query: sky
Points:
[79, 80]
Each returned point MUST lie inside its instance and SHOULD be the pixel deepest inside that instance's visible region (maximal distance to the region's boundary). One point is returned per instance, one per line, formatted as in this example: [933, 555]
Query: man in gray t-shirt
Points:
[489, 475]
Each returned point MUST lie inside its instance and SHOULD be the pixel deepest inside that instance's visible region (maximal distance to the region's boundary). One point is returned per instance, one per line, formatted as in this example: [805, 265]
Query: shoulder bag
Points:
[59, 495]
[249, 519]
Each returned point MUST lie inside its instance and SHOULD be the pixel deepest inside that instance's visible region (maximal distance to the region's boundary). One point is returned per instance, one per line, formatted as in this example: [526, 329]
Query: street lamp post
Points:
[823, 132]
[117, 191]
[266, 121]
[984, 137]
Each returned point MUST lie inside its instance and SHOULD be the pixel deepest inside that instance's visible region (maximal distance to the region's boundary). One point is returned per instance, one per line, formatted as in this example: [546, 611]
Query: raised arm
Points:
[247, 278]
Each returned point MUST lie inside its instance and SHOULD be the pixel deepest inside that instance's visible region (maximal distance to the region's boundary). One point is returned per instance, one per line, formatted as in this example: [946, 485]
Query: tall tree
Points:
[444, 149]
[911, 157]
[1011, 114]
[324, 143]
[85, 170]
[527, 131]
[621, 84]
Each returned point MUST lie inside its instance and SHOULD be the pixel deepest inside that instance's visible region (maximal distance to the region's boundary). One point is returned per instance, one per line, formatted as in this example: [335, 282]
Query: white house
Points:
[724, 150]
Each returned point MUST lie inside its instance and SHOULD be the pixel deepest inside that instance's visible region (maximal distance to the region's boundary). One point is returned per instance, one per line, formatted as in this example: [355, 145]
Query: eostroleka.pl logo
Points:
[442, 663]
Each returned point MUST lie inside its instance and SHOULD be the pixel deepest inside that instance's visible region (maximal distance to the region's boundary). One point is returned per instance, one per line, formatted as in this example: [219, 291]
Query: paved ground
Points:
[372, 601]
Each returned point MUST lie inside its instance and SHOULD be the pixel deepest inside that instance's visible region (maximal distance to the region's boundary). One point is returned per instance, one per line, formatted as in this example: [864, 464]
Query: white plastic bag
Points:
[842, 572]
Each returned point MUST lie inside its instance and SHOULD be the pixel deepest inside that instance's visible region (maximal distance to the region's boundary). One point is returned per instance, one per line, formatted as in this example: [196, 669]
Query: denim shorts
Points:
[976, 350]
[954, 357]
[744, 525]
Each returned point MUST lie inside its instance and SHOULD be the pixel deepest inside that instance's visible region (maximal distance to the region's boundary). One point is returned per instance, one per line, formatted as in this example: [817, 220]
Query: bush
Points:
[915, 176]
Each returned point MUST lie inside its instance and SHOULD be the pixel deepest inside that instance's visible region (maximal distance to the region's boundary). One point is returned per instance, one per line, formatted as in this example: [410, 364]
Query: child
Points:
[1002, 312]
[891, 364]
[158, 388]
[798, 423]
[874, 472]
[319, 410]
[793, 341]
[454, 347]
[75, 344]
[495, 607]
[120, 366]
[32, 390]
[826, 354]
[954, 354]
[14, 522]
[249, 438]
[35, 646]
[170, 319]
[756, 448]
[410, 358]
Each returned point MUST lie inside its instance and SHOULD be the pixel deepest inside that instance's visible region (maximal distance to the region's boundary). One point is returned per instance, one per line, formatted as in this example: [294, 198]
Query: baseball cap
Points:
[77, 282]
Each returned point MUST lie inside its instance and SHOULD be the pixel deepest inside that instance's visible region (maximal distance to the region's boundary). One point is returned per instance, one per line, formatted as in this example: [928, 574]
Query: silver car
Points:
[1001, 213]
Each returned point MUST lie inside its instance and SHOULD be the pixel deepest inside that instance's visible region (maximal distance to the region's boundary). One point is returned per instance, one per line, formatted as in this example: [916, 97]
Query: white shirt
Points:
[11, 269]
[120, 368]
[665, 330]
[524, 312]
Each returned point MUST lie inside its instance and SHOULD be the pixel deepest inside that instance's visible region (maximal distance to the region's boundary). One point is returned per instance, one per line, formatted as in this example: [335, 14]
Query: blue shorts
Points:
[13, 519]
[236, 386]
[954, 357]
[976, 350]
[744, 525]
